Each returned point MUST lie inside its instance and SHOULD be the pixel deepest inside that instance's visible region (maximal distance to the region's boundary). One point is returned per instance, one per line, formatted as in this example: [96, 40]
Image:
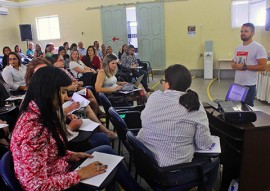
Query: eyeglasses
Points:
[10, 59]
[161, 81]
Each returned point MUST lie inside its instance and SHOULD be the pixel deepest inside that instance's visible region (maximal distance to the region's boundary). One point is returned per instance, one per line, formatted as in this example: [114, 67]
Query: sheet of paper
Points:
[17, 97]
[106, 159]
[88, 125]
[82, 92]
[215, 148]
[78, 98]
[3, 125]
[68, 103]
[72, 134]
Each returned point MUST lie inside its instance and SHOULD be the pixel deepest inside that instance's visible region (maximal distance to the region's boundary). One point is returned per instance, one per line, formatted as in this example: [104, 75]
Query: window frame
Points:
[52, 34]
[250, 3]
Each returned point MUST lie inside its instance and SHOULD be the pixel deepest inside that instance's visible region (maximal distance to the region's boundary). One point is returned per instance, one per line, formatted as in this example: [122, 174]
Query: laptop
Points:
[131, 86]
[236, 92]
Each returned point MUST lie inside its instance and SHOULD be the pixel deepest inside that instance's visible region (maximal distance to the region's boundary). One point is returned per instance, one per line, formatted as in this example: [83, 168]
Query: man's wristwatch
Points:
[244, 67]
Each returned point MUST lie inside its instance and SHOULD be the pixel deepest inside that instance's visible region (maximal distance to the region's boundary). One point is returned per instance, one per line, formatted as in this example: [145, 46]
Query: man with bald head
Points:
[81, 49]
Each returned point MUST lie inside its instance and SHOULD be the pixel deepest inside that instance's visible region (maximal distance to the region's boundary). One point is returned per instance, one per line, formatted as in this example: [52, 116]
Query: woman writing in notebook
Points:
[106, 80]
[41, 160]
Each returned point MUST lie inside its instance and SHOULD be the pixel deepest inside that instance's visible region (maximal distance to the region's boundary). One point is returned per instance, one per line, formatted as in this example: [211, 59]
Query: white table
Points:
[223, 64]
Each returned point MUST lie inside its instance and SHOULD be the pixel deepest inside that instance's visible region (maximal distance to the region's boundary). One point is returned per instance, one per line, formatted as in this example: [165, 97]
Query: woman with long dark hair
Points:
[174, 123]
[6, 51]
[91, 59]
[38, 143]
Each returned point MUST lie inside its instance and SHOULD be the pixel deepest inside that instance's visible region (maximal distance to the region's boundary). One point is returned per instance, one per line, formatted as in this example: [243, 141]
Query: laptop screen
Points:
[237, 92]
[138, 81]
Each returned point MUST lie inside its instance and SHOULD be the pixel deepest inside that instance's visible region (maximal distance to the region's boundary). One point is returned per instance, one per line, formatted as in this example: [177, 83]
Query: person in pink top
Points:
[38, 142]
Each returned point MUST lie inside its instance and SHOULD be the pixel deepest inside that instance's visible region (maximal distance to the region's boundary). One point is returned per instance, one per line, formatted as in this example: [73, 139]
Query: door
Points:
[114, 27]
[150, 19]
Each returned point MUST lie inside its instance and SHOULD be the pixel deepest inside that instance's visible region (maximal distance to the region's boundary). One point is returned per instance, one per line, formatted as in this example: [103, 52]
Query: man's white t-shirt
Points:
[248, 55]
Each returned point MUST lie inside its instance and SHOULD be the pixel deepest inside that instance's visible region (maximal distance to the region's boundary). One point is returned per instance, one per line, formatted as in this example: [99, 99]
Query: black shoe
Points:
[149, 90]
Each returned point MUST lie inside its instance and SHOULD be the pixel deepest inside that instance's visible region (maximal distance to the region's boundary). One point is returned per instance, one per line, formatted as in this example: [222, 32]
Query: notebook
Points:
[131, 86]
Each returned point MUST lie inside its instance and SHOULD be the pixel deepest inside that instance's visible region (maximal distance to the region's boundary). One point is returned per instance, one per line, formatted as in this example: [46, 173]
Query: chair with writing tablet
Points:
[185, 176]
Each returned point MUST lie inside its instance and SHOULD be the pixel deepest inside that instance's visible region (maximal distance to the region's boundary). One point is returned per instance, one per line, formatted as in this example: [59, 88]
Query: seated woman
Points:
[18, 50]
[174, 122]
[14, 73]
[38, 52]
[78, 85]
[122, 51]
[80, 70]
[48, 52]
[106, 80]
[41, 160]
[34, 65]
[6, 51]
[91, 60]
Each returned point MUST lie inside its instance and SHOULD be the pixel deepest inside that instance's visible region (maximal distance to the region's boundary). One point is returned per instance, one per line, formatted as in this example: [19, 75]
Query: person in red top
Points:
[91, 59]
[38, 143]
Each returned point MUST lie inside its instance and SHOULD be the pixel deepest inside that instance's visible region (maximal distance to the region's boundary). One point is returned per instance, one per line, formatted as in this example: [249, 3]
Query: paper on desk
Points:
[88, 125]
[3, 125]
[215, 149]
[82, 92]
[17, 97]
[76, 98]
[106, 159]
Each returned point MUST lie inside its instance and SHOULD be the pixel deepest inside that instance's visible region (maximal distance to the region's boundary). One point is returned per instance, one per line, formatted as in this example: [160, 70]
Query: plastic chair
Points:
[147, 66]
[180, 177]
[7, 172]
[122, 128]
[107, 104]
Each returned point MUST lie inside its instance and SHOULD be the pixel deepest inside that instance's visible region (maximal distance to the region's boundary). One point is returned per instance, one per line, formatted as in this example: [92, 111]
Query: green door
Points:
[114, 27]
[150, 19]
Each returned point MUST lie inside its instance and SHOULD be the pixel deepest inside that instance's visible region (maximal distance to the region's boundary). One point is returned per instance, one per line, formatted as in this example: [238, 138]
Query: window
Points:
[48, 27]
[253, 11]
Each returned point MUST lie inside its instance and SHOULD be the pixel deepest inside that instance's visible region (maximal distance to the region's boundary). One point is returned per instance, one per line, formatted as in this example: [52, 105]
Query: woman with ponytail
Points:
[174, 123]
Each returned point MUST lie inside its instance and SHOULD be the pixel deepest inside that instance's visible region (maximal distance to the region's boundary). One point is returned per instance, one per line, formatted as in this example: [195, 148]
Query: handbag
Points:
[88, 79]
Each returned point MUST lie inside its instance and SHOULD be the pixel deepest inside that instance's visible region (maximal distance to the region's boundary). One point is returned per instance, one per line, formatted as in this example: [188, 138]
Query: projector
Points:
[236, 112]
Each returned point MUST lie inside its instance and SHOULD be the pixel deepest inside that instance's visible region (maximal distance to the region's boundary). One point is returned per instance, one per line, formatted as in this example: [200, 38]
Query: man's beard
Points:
[244, 38]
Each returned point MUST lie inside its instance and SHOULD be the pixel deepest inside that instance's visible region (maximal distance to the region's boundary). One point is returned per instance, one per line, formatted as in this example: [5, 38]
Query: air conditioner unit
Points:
[3, 11]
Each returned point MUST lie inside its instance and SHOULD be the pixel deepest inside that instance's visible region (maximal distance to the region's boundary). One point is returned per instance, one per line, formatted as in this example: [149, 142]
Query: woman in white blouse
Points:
[77, 67]
[14, 73]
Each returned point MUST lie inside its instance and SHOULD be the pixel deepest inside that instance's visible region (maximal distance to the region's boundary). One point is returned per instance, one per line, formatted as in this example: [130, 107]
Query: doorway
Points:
[132, 27]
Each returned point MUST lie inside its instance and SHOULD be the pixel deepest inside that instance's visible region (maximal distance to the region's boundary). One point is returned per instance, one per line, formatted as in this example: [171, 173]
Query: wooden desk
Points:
[223, 64]
[245, 151]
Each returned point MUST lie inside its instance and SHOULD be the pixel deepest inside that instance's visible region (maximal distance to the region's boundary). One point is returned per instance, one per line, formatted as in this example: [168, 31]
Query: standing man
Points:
[249, 58]
[99, 52]
[81, 49]
[129, 61]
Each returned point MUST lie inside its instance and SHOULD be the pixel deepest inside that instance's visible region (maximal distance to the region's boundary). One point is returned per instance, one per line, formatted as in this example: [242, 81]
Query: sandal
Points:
[101, 115]
[112, 135]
